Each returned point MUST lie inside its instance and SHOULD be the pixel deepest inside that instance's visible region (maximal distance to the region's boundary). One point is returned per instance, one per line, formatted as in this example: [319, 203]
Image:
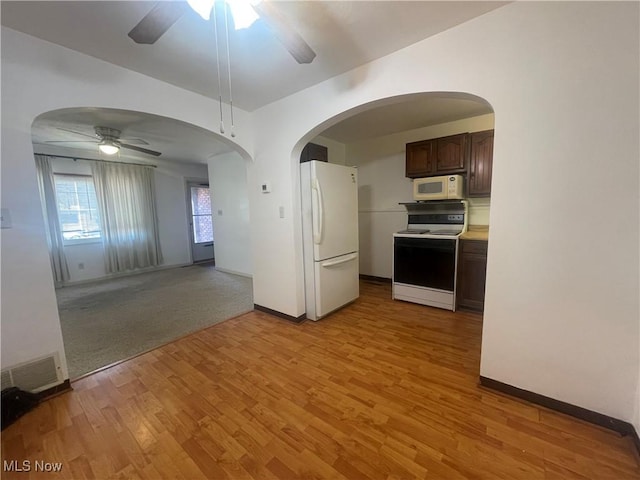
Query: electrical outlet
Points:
[281, 211]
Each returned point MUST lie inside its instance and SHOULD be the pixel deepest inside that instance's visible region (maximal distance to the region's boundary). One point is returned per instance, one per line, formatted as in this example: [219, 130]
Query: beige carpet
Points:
[110, 320]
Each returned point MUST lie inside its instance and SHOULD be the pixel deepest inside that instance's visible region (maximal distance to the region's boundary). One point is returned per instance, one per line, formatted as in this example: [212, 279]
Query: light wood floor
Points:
[380, 390]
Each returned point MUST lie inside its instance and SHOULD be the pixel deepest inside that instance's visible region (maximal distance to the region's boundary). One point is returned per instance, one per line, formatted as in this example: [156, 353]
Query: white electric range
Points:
[425, 254]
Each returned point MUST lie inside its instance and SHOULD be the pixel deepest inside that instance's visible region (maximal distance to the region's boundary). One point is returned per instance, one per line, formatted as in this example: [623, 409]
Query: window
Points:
[77, 208]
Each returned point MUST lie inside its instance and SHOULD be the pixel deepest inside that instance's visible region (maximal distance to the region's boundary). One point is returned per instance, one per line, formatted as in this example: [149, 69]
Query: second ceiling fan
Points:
[164, 14]
[109, 141]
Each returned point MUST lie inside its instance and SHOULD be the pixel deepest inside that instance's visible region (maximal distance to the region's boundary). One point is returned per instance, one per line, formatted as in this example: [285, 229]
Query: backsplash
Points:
[479, 211]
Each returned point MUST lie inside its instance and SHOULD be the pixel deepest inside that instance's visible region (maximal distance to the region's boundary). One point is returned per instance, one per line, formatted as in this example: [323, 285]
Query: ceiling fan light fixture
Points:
[243, 13]
[109, 147]
[241, 10]
[202, 7]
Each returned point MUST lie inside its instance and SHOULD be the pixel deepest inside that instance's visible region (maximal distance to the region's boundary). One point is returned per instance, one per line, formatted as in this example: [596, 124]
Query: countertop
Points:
[476, 232]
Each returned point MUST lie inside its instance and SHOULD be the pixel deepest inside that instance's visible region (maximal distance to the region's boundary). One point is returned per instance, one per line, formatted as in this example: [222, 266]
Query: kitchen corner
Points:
[440, 259]
[476, 232]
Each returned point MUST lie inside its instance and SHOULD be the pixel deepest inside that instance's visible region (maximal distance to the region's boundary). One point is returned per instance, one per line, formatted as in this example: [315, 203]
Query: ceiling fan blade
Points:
[292, 41]
[94, 137]
[72, 141]
[141, 150]
[134, 141]
[157, 21]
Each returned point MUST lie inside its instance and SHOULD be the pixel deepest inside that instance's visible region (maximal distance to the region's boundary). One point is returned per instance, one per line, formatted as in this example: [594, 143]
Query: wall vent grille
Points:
[35, 375]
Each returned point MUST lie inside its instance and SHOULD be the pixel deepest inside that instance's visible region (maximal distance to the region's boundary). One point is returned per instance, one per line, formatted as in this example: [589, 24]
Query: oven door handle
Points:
[318, 230]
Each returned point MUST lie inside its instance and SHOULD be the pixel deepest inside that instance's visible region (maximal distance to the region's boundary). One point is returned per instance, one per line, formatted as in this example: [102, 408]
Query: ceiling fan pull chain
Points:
[215, 26]
[226, 26]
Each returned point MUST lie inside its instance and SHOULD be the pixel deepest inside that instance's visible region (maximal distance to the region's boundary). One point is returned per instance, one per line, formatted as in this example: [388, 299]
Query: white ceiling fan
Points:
[109, 141]
[166, 13]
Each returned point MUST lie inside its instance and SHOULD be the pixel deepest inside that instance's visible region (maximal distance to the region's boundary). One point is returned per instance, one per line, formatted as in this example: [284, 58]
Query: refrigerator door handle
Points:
[333, 263]
[317, 232]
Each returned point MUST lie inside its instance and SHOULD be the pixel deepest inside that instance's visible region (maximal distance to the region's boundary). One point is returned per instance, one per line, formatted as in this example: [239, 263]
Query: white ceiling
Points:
[416, 111]
[344, 34]
[177, 141]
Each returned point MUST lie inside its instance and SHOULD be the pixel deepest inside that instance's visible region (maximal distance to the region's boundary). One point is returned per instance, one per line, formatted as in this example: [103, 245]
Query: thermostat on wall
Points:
[266, 187]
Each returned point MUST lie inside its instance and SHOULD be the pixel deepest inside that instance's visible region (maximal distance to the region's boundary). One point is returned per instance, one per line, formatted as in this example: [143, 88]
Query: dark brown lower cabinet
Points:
[472, 270]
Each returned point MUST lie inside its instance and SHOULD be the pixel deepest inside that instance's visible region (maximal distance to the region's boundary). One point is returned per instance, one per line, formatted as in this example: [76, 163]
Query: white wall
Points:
[561, 316]
[230, 208]
[38, 77]
[382, 185]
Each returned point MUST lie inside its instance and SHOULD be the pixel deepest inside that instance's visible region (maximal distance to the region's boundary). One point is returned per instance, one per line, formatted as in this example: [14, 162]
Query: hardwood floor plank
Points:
[280, 470]
[207, 464]
[379, 390]
[80, 468]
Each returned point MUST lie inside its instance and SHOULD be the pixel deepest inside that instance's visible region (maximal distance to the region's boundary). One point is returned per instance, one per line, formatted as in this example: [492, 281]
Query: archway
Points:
[107, 317]
[373, 136]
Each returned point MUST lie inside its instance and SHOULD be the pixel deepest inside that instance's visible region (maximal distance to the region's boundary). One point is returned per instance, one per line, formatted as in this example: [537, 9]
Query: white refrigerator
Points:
[329, 196]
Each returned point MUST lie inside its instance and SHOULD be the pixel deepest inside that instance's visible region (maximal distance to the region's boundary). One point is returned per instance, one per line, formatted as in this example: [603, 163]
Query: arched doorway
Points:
[109, 315]
[373, 138]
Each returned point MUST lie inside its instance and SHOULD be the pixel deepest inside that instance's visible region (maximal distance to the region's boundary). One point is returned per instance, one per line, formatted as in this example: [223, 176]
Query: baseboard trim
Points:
[55, 390]
[129, 273]
[619, 426]
[234, 272]
[372, 278]
[278, 314]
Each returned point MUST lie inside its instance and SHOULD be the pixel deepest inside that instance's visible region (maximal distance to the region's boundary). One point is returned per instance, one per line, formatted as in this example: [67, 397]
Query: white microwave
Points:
[447, 187]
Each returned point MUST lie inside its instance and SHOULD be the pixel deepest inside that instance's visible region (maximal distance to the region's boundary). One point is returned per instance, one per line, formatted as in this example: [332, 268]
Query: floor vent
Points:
[35, 375]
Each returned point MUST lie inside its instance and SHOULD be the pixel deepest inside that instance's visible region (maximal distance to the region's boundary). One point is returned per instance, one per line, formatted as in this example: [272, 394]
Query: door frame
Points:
[189, 182]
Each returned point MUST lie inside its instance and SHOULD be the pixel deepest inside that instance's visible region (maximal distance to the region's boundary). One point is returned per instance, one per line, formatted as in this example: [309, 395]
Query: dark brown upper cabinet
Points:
[452, 154]
[420, 159]
[438, 156]
[312, 151]
[480, 164]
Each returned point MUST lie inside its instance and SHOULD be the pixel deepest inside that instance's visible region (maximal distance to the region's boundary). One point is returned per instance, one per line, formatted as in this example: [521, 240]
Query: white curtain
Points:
[128, 214]
[55, 241]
